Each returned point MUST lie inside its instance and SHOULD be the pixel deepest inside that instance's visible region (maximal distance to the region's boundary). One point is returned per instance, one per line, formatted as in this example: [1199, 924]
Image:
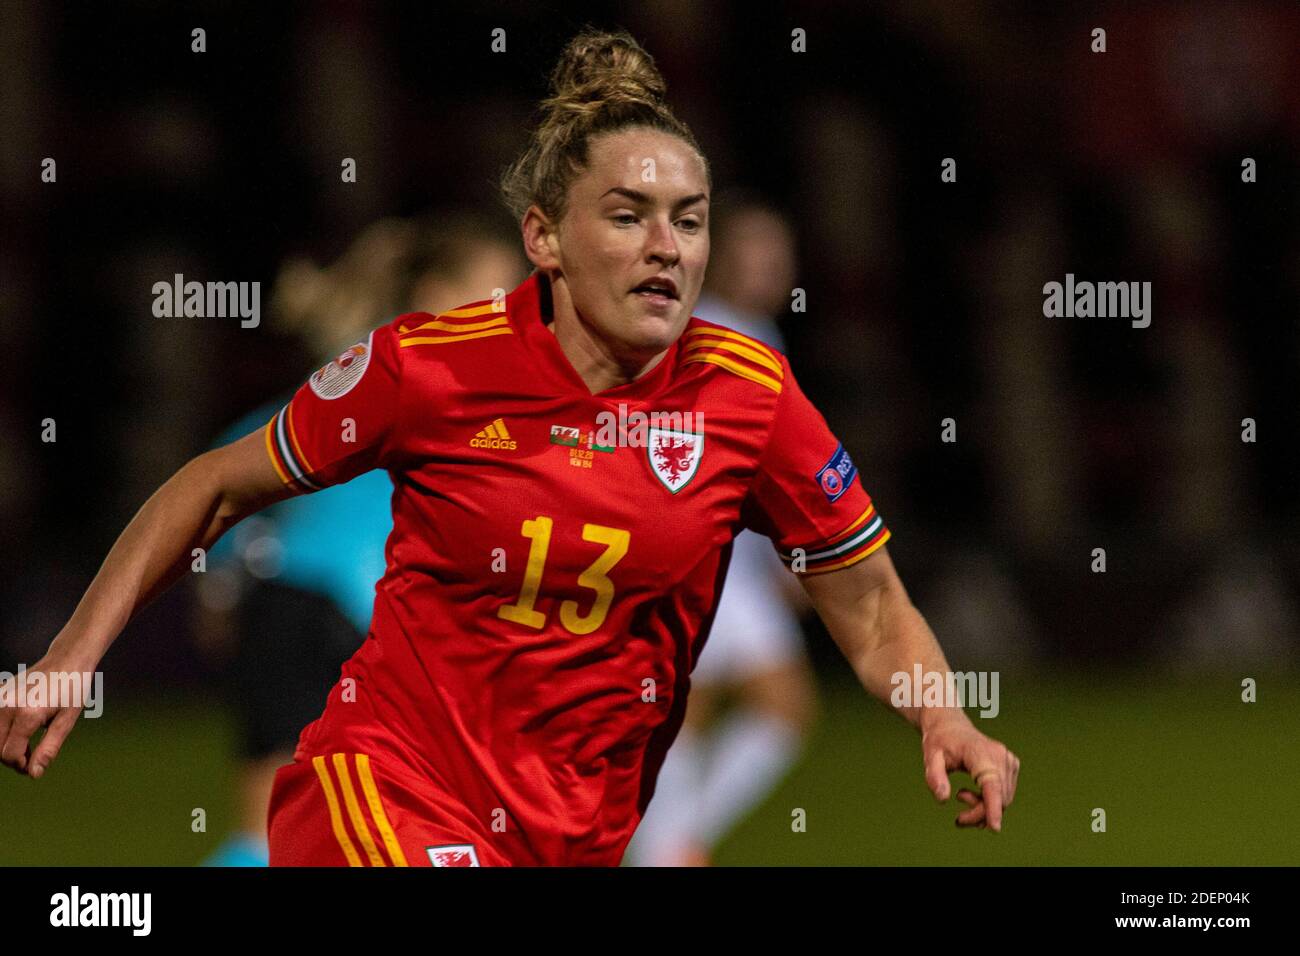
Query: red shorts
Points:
[345, 809]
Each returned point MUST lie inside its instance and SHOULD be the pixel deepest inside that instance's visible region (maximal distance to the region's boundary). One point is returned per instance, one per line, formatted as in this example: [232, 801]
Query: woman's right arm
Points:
[194, 507]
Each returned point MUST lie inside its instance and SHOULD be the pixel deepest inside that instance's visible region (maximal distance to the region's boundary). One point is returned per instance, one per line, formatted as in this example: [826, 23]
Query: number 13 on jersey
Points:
[538, 531]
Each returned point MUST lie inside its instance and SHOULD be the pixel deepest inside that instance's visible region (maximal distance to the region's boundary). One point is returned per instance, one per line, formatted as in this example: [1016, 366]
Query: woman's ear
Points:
[541, 240]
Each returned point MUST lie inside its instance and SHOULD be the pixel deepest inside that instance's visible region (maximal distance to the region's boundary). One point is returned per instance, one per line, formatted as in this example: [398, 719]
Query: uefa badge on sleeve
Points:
[837, 474]
[674, 456]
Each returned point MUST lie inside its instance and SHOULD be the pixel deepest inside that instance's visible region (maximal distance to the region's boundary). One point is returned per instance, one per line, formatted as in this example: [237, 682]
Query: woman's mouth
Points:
[658, 291]
[655, 297]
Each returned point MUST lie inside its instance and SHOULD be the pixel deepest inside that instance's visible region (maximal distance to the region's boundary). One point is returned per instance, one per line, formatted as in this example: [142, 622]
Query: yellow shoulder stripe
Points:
[469, 311]
[442, 326]
[444, 339]
[721, 333]
[736, 368]
[755, 356]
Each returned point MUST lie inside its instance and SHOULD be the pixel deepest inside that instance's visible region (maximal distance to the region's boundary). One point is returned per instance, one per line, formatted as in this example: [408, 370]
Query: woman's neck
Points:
[591, 357]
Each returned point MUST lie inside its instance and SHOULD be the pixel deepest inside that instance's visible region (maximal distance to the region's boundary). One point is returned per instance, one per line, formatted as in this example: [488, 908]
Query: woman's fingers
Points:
[973, 817]
[53, 740]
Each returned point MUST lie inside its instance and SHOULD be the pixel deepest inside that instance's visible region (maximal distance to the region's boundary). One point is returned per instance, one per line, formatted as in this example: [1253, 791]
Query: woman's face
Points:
[638, 213]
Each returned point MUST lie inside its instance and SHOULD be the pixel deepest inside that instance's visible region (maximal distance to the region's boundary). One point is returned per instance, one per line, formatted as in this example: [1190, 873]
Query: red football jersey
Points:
[550, 582]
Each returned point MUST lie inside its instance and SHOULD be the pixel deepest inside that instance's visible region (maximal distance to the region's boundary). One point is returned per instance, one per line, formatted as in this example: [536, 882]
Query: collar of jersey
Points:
[524, 308]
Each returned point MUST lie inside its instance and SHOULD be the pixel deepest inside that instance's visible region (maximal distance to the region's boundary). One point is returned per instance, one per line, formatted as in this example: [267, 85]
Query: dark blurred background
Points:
[924, 298]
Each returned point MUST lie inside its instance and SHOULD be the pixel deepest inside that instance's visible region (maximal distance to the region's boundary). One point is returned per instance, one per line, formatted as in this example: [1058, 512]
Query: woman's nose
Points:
[661, 243]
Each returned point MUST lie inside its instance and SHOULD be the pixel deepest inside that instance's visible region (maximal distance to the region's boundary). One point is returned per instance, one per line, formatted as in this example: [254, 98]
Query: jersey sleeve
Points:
[806, 495]
[342, 421]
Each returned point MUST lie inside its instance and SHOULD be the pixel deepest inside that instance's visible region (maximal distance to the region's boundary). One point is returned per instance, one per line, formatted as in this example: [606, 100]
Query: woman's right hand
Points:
[193, 508]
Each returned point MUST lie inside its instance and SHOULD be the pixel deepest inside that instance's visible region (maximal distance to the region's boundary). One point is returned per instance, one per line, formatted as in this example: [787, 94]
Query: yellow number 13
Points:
[538, 531]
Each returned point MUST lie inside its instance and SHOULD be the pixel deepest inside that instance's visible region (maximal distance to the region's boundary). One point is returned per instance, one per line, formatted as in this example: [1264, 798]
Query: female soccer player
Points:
[550, 580]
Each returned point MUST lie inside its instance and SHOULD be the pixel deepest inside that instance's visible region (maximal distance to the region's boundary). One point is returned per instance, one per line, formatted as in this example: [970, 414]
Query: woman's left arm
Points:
[868, 613]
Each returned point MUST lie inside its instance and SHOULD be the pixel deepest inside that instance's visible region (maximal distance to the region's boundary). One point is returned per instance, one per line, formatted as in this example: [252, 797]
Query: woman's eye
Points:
[691, 224]
[626, 217]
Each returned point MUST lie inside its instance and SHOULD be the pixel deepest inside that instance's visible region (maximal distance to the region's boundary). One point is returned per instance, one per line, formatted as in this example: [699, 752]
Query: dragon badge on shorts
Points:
[457, 854]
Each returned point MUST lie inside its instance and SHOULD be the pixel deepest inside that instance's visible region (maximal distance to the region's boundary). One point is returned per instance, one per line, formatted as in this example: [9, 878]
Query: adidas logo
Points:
[495, 435]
